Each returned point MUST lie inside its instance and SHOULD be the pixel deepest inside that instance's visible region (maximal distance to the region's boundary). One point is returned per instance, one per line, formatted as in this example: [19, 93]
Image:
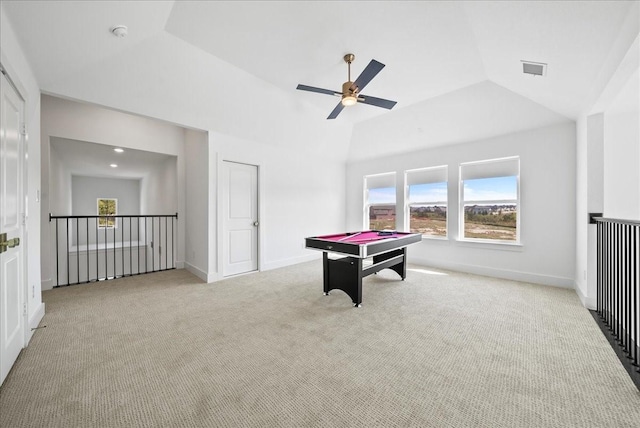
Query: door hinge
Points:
[23, 129]
[24, 309]
[24, 219]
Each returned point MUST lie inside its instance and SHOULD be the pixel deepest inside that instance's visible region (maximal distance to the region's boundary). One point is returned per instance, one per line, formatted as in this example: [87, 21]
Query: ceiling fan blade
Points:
[336, 111]
[318, 90]
[378, 102]
[365, 77]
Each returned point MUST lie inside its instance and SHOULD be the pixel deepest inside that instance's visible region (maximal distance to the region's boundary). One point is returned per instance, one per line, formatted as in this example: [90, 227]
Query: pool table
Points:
[388, 249]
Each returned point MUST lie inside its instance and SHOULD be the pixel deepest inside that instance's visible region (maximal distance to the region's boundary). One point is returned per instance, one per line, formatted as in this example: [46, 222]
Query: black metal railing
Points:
[96, 248]
[618, 290]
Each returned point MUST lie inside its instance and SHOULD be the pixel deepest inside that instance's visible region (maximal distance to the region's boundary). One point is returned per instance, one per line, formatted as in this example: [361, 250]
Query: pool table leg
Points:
[401, 268]
[357, 302]
[343, 274]
[325, 272]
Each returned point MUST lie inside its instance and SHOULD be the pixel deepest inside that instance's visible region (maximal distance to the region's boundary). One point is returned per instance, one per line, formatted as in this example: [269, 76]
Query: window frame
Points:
[409, 203]
[108, 220]
[463, 202]
[366, 221]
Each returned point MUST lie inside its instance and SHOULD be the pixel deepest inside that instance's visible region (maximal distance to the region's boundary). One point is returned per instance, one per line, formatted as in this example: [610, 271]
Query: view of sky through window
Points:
[385, 195]
[431, 192]
[491, 189]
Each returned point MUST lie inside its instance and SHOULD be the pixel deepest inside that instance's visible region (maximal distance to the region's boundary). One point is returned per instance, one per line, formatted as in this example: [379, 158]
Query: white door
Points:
[240, 218]
[11, 222]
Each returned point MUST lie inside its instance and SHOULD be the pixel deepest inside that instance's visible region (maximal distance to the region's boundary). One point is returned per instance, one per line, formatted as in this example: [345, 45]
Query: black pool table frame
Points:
[346, 273]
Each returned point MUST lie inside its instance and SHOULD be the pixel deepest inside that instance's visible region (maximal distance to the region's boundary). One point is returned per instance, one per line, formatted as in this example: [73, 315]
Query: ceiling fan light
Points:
[349, 100]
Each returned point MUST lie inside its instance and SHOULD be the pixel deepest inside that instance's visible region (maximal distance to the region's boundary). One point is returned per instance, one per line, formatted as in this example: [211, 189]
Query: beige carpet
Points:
[269, 349]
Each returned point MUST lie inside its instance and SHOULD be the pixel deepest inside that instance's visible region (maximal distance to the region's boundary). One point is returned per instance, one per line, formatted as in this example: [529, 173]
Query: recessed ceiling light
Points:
[113, 165]
[118, 150]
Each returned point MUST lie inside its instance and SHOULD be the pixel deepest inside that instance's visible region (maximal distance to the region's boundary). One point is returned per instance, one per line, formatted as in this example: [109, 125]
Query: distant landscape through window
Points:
[491, 208]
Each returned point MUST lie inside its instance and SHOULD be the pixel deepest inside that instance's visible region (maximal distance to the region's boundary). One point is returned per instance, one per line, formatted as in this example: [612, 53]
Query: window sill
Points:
[435, 238]
[493, 245]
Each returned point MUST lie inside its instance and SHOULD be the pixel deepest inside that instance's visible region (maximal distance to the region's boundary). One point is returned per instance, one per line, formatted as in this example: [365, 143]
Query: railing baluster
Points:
[106, 251]
[130, 248]
[97, 252]
[67, 233]
[87, 248]
[122, 244]
[57, 256]
[627, 290]
[115, 274]
[77, 251]
[138, 227]
[146, 246]
[173, 241]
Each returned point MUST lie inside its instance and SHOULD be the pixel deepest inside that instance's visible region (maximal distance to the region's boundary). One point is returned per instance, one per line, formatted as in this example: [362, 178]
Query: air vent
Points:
[534, 68]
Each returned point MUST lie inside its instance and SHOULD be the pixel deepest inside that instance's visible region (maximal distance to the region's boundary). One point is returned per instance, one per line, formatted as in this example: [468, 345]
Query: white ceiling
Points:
[431, 50]
[93, 160]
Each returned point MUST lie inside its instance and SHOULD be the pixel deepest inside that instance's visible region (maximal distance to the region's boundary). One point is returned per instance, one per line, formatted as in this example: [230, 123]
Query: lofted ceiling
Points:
[436, 53]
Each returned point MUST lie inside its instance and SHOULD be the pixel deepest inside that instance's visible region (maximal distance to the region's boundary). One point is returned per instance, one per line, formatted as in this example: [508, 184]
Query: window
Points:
[490, 200]
[380, 201]
[427, 201]
[107, 207]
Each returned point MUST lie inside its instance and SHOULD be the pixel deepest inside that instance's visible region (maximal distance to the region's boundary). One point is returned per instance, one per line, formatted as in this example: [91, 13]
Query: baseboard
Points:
[180, 265]
[290, 261]
[588, 302]
[206, 277]
[499, 273]
[46, 284]
[34, 321]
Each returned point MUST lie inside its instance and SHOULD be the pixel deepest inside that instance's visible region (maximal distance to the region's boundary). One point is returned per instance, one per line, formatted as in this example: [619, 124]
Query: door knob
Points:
[256, 223]
[4, 243]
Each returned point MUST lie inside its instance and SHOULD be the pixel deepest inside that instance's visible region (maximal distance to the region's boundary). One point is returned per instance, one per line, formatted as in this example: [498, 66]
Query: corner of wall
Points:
[587, 302]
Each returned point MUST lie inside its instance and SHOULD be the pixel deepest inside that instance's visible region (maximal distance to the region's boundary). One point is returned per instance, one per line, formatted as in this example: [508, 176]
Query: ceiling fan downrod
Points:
[348, 58]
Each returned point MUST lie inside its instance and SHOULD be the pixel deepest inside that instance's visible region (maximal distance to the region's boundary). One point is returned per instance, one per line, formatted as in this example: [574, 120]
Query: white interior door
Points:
[240, 218]
[12, 318]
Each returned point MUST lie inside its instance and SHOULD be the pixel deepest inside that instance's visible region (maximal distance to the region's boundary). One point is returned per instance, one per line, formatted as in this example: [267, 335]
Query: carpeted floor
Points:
[440, 349]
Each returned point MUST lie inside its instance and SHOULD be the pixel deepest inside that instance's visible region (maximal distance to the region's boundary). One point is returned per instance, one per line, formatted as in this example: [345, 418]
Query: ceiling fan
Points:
[351, 90]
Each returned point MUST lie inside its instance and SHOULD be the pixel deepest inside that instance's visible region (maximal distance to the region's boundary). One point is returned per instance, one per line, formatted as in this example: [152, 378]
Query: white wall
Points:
[622, 153]
[85, 192]
[158, 189]
[589, 199]
[197, 199]
[84, 122]
[547, 185]
[18, 69]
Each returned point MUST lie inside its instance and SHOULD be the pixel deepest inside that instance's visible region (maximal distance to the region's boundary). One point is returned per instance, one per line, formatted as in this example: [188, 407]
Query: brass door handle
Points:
[4, 243]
